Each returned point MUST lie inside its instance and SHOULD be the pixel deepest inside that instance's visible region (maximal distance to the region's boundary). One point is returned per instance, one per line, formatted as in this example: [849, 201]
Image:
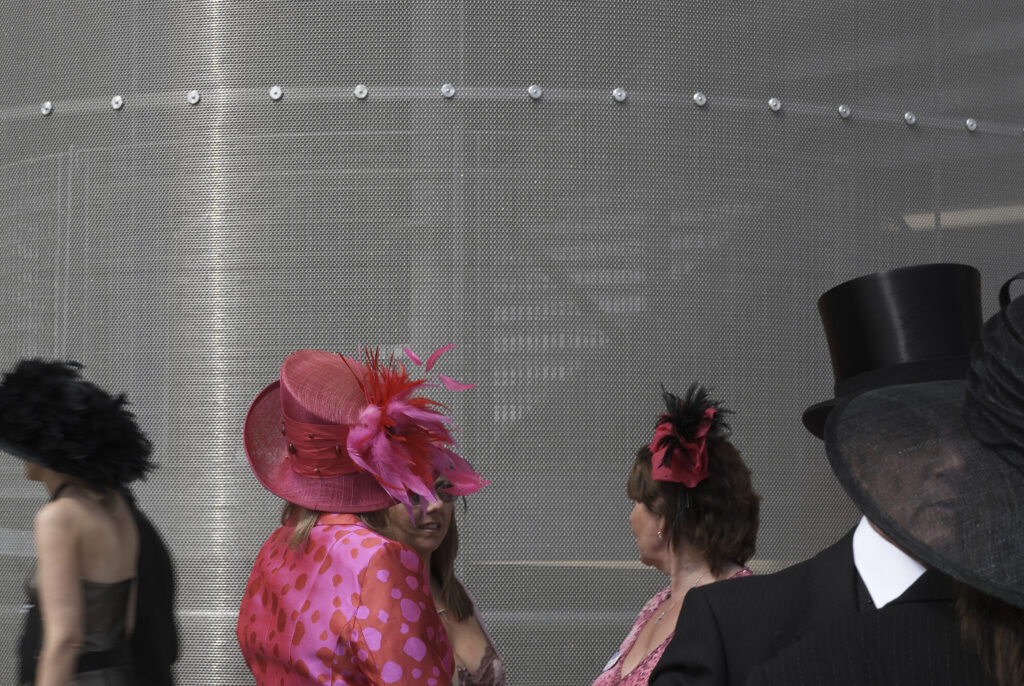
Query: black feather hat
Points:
[51, 416]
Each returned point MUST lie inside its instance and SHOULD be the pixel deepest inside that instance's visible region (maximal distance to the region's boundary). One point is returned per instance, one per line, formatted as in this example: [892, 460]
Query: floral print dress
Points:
[638, 676]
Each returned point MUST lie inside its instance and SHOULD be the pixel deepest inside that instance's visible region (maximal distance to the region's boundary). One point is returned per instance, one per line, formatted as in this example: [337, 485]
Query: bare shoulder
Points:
[61, 515]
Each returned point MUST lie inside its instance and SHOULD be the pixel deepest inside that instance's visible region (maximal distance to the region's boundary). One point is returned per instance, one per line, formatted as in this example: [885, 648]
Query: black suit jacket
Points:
[913, 641]
[728, 629]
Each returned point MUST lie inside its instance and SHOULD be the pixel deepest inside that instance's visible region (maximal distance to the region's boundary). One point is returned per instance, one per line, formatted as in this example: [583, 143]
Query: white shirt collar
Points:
[886, 570]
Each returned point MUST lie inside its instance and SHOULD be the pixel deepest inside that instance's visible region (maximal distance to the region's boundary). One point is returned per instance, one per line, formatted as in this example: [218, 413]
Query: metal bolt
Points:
[845, 111]
[46, 108]
[971, 124]
[193, 97]
[619, 95]
[360, 91]
[774, 104]
[448, 90]
[275, 93]
[699, 99]
[910, 118]
[535, 91]
[116, 102]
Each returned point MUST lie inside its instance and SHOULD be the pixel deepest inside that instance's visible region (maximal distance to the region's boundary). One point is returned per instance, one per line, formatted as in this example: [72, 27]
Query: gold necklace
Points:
[692, 586]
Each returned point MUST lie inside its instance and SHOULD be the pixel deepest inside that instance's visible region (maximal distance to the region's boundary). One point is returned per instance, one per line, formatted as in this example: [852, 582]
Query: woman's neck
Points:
[687, 570]
[55, 481]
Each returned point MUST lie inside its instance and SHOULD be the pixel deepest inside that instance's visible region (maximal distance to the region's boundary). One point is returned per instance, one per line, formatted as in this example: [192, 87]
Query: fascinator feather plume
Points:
[402, 438]
[679, 450]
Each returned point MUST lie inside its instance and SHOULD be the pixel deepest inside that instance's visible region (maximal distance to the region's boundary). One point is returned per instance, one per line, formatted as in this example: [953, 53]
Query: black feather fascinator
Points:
[679, 447]
[49, 415]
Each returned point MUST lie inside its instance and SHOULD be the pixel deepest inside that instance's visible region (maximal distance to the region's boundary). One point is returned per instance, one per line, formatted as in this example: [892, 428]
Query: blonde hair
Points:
[303, 520]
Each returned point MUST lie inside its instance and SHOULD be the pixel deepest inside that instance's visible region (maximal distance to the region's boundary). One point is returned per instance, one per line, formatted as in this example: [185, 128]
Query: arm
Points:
[60, 593]
[398, 636]
[696, 654]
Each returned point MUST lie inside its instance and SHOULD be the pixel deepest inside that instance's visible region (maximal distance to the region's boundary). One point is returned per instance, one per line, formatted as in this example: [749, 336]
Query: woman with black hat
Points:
[84, 446]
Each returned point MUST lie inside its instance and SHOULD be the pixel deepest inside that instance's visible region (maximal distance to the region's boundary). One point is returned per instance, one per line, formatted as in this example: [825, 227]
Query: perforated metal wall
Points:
[579, 248]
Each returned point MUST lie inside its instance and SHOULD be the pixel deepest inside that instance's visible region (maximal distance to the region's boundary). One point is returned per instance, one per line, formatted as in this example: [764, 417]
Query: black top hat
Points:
[939, 466]
[907, 325]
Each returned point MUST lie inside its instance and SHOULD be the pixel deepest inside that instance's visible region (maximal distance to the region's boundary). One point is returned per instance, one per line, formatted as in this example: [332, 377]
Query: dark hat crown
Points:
[906, 325]
[994, 402]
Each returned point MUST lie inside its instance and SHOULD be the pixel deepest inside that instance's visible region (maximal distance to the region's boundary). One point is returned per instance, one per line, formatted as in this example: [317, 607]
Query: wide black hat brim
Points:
[906, 458]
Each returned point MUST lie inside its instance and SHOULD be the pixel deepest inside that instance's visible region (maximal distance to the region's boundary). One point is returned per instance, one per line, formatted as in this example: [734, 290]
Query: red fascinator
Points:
[679, 449]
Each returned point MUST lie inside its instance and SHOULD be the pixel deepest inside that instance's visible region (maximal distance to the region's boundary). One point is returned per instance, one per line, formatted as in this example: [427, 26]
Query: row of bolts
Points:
[534, 91]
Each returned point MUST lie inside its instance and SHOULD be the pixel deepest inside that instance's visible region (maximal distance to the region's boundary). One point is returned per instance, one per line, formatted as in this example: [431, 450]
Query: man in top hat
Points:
[910, 325]
[939, 467]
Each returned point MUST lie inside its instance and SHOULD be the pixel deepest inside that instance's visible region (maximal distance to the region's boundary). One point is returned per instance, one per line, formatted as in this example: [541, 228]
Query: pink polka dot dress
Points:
[351, 608]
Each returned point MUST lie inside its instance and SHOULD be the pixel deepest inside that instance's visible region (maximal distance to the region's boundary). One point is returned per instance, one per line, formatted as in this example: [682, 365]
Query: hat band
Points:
[940, 369]
[317, 450]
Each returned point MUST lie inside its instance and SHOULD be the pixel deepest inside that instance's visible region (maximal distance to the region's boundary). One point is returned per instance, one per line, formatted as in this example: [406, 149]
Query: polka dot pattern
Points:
[351, 608]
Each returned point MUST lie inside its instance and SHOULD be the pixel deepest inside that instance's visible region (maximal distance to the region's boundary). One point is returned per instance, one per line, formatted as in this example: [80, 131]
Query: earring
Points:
[659, 533]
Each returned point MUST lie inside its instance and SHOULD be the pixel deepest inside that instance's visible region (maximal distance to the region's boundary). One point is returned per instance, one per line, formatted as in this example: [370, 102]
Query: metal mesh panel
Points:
[579, 249]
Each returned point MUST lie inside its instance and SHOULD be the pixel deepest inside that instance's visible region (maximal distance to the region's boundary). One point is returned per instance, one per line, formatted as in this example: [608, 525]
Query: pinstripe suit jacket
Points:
[728, 629]
[911, 642]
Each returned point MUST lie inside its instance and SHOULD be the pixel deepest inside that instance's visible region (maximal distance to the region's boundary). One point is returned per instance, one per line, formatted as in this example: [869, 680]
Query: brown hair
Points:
[718, 517]
[995, 630]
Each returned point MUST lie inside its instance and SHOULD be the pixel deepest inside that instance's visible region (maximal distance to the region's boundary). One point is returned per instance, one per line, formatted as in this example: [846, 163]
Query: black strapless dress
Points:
[104, 659]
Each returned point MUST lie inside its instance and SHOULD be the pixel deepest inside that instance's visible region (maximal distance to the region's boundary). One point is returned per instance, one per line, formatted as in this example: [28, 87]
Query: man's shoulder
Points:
[781, 587]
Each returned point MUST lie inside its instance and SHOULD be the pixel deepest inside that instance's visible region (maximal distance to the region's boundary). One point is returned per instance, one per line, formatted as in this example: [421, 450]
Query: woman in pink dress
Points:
[330, 600]
[695, 518]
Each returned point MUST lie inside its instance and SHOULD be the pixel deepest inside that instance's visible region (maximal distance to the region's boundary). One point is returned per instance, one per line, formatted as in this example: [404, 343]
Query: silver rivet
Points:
[774, 104]
[699, 99]
[46, 108]
[361, 91]
[193, 97]
[619, 95]
[448, 90]
[910, 118]
[971, 124]
[275, 92]
[116, 102]
[845, 111]
[535, 91]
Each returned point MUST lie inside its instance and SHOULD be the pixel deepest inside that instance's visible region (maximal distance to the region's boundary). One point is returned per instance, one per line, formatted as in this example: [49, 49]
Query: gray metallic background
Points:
[580, 250]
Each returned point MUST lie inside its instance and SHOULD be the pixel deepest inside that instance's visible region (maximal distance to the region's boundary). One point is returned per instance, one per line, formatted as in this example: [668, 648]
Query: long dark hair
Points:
[996, 632]
[442, 570]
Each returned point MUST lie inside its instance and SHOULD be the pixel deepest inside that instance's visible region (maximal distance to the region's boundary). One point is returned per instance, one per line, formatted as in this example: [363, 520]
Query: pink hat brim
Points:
[267, 450]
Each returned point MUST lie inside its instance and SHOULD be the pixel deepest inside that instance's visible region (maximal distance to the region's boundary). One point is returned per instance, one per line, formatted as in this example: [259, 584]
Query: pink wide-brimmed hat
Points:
[338, 435]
